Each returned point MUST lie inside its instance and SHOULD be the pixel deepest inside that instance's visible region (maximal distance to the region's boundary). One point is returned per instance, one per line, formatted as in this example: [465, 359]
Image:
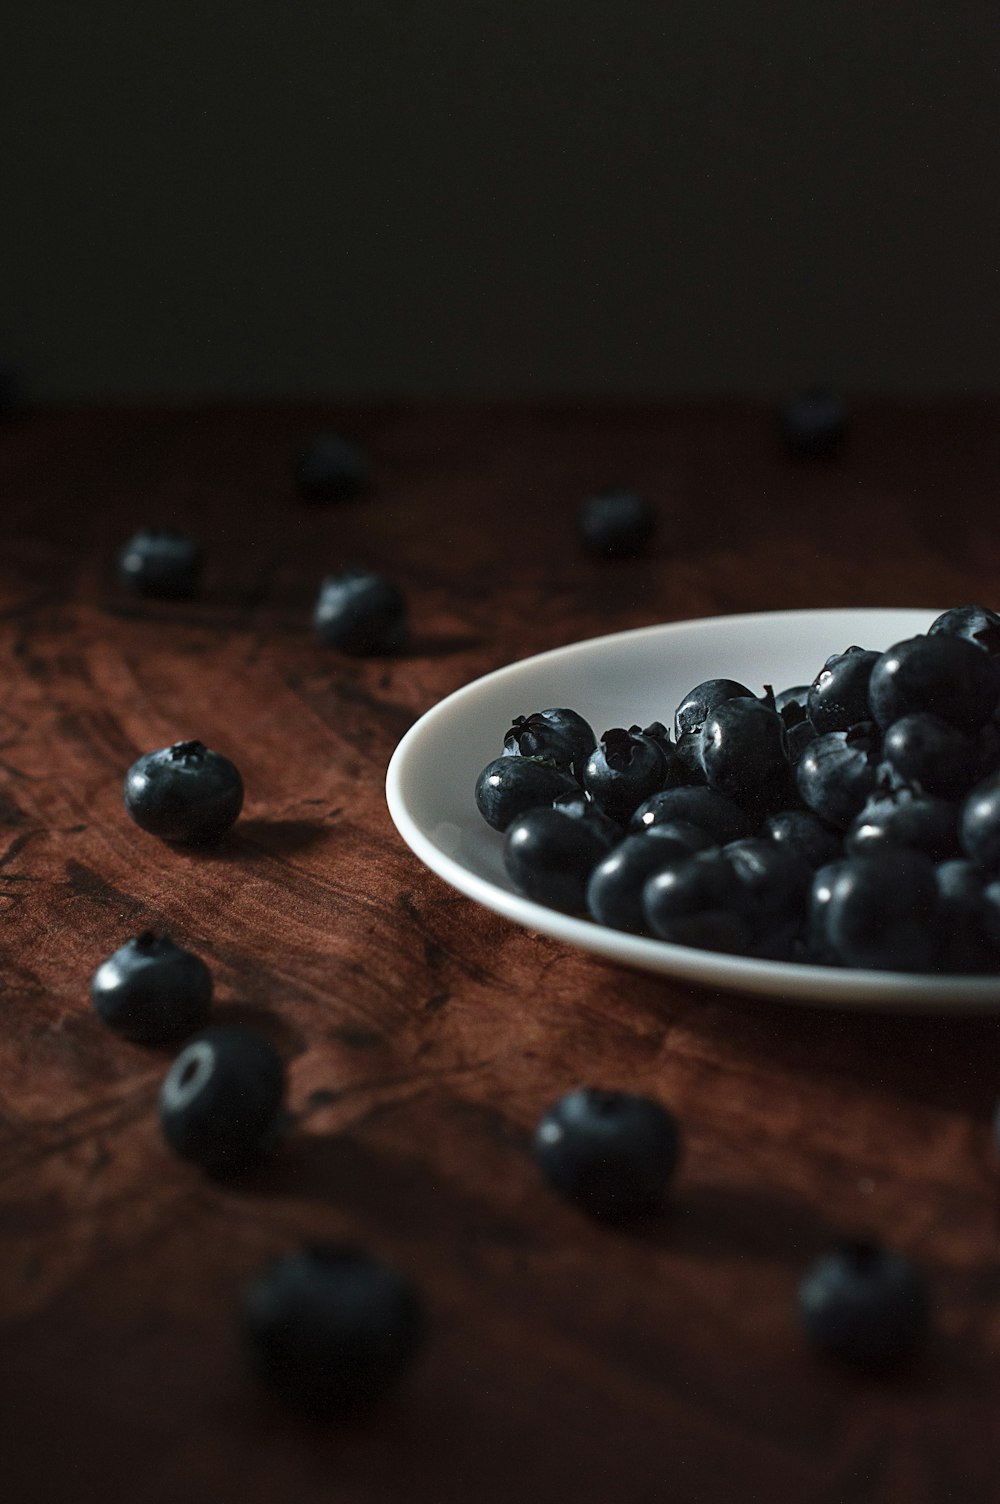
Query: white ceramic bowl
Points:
[619, 680]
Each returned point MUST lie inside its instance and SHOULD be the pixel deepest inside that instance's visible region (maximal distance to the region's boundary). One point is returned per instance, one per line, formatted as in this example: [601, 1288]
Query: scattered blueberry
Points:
[161, 564]
[184, 793]
[151, 990]
[616, 524]
[509, 786]
[863, 1304]
[221, 1102]
[361, 613]
[330, 468]
[812, 423]
[331, 1329]
[609, 1152]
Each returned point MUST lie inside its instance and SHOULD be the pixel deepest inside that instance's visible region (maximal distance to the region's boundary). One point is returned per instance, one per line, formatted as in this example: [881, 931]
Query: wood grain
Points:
[424, 1036]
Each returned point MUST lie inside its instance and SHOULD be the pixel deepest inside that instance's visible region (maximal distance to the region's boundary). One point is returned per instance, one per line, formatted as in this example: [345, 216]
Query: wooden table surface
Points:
[424, 1036]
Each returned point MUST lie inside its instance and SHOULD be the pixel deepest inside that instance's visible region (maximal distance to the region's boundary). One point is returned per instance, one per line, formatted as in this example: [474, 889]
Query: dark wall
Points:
[362, 197]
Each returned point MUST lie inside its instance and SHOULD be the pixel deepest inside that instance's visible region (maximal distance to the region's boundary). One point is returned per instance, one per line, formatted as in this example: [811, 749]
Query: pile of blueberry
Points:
[853, 821]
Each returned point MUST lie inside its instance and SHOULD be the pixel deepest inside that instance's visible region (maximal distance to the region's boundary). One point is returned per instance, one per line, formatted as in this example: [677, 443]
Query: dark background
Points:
[394, 199]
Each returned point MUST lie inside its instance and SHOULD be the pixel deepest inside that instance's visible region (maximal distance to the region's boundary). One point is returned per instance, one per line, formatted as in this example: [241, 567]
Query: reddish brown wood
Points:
[425, 1036]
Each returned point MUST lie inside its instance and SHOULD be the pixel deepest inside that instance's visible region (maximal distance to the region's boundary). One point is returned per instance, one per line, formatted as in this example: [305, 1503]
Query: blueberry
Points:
[161, 564]
[330, 468]
[863, 1304]
[609, 1152]
[221, 1102]
[696, 901]
[774, 883]
[151, 990]
[946, 675]
[615, 889]
[797, 739]
[838, 771]
[623, 770]
[979, 824]
[804, 833]
[924, 750]
[721, 818]
[549, 857]
[184, 793]
[969, 925]
[698, 704]
[812, 423]
[838, 696]
[818, 948]
[331, 1329]
[579, 806]
[978, 624]
[883, 911]
[987, 748]
[744, 753]
[510, 785]
[616, 524]
[688, 749]
[361, 613]
[901, 817]
[562, 735]
[676, 773]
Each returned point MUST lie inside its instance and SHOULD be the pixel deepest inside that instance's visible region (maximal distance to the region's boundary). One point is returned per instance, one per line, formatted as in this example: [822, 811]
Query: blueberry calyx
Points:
[192, 751]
